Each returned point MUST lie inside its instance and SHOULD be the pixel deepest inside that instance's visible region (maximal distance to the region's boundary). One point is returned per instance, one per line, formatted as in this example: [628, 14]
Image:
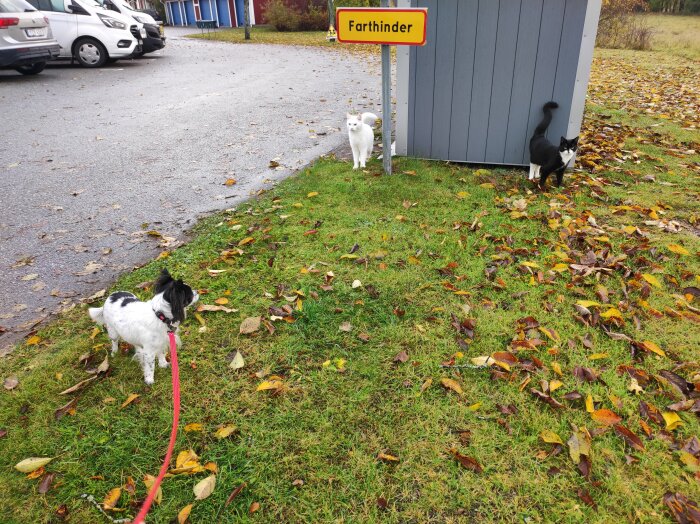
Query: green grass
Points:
[326, 427]
[679, 35]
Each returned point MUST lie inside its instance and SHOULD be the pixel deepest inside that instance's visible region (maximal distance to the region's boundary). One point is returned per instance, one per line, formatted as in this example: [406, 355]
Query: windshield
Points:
[15, 6]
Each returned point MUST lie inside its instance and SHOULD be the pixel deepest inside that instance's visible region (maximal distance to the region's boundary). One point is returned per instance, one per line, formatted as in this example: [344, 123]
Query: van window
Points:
[58, 5]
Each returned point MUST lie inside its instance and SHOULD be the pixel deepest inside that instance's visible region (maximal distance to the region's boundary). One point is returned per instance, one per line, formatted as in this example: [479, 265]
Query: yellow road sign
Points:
[357, 25]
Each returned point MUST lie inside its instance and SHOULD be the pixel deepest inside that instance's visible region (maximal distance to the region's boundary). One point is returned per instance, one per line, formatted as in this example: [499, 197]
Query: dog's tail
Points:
[97, 314]
[369, 118]
[544, 124]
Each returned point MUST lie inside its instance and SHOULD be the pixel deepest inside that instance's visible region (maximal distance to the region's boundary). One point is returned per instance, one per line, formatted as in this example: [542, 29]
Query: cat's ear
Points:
[563, 141]
[574, 142]
[348, 115]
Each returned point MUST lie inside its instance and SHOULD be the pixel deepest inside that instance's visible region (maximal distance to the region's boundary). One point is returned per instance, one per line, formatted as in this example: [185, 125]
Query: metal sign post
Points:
[386, 26]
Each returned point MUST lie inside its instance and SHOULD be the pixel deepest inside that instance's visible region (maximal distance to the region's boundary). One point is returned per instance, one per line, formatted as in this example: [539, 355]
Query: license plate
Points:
[36, 31]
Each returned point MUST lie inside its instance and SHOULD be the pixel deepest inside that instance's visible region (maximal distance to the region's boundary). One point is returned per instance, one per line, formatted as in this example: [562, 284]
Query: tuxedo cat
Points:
[545, 157]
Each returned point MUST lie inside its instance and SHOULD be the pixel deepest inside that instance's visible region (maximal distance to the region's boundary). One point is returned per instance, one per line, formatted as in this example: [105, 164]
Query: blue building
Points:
[227, 13]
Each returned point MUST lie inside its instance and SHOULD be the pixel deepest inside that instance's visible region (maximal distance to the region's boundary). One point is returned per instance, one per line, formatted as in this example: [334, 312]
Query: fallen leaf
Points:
[234, 494]
[45, 483]
[250, 325]
[80, 385]
[193, 426]
[387, 458]
[129, 400]
[466, 461]
[207, 307]
[237, 362]
[605, 417]
[652, 280]
[579, 444]
[632, 440]
[11, 382]
[184, 514]
[32, 463]
[685, 511]
[550, 437]
[678, 250]
[225, 431]
[402, 356]
[452, 384]
[254, 506]
[204, 487]
[346, 327]
[69, 408]
[149, 481]
[673, 420]
[112, 498]
[33, 340]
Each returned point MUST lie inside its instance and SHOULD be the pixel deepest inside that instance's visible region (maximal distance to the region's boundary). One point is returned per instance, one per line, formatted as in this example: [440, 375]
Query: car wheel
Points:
[138, 54]
[112, 60]
[33, 69]
[90, 53]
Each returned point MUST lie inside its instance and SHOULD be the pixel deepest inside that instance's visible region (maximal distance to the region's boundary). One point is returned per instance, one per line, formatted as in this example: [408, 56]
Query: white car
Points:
[26, 42]
[89, 33]
[155, 36]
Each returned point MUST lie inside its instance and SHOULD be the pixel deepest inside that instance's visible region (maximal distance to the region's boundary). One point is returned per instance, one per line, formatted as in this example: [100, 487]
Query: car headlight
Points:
[140, 19]
[111, 22]
[143, 32]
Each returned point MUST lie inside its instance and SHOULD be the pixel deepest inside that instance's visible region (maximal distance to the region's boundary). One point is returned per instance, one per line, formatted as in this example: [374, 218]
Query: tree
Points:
[246, 18]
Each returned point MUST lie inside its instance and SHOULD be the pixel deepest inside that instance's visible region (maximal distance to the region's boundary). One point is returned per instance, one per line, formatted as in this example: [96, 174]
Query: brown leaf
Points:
[234, 494]
[632, 440]
[255, 506]
[45, 483]
[683, 510]
[250, 325]
[468, 462]
[401, 357]
[586, 498]
[184, 514]
[546, 398]
[605, 417]
[80, 385]
[11, 382]
[68, 408]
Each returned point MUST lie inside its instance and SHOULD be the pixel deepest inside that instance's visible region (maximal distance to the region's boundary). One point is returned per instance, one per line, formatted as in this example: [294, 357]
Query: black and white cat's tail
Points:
[369, 118]
[544, 124]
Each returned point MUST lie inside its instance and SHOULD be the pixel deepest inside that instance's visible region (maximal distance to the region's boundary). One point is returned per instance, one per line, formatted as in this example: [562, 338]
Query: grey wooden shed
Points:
[474, 93]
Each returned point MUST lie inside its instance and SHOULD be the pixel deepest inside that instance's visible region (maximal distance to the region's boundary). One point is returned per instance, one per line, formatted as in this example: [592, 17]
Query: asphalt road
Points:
[92, 159]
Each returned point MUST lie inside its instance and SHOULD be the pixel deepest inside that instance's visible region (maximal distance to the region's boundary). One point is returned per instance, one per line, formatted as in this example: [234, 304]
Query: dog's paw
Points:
[164, 365]
[149, 381]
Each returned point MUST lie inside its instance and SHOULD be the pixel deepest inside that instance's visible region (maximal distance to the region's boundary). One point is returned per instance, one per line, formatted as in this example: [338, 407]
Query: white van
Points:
[155, 36]
[90, 34]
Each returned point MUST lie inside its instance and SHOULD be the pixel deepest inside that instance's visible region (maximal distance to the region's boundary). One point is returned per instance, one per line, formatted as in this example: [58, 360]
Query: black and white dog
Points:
[145, 325]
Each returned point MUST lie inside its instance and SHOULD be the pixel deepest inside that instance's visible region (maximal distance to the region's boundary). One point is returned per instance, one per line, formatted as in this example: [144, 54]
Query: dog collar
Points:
[165, 320]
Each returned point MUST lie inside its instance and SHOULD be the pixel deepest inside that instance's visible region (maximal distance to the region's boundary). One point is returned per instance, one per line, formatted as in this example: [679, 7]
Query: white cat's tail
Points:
[369, 118]
[97, 314]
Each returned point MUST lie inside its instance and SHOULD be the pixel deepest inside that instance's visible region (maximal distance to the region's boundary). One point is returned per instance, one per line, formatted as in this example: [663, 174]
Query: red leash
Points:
[141, 517]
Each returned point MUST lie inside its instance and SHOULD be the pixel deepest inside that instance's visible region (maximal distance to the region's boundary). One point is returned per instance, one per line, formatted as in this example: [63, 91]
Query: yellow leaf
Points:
[193, 426]
[129, 400]
[557, 368]
[204, 487]
[605, 417]
[225, 431]
[453, 385]
[652, 280]
[589, 404]
[678, 250]
[32, 463]
[672, 420]
[387, 458]
[474, 407]
[487, 185]
[560, 268]
[462, 195]
[211, 466]
[149, 480]
[312, 194]
[33, 341]
[246, 240]
[269, 384]
[612, 313]
[527, 263]
[629, 229]
[184, 514]
[550, 437]
[221, 301]
[649, 345]
[587, 303]
[555, 384]
[598, 356]
[297, 205]
[230, 181]
[349, 256]
[112, 498]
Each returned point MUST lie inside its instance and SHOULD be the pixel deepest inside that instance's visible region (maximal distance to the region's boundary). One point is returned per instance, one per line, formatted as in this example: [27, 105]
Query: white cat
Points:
[361, 137]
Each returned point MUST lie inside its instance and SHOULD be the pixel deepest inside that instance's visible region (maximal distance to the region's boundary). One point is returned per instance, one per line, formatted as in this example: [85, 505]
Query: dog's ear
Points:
[179, 296]
[163, 281]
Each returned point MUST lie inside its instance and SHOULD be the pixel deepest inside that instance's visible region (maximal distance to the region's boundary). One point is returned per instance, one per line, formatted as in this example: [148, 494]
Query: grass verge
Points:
[370, 399]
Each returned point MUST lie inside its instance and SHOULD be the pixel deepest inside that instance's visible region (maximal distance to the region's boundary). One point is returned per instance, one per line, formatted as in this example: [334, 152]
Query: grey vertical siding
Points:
[478, 85]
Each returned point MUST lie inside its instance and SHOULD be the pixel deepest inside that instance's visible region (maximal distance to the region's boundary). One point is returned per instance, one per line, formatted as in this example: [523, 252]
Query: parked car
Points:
[155, 36]
[26, 40]
[153, 13]
[90, 34]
